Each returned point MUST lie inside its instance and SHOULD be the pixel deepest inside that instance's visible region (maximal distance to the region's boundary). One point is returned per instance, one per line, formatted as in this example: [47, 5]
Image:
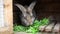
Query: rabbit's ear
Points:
[32, 5]
[23, 9]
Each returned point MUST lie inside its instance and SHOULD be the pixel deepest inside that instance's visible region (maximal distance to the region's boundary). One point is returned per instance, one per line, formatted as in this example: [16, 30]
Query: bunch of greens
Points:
[33, 28]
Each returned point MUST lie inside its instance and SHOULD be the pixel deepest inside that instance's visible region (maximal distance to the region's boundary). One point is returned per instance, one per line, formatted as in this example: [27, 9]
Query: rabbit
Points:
[28, 14]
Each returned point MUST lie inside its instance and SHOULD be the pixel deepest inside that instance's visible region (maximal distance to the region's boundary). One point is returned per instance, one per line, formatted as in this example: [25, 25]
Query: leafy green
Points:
[32, 28]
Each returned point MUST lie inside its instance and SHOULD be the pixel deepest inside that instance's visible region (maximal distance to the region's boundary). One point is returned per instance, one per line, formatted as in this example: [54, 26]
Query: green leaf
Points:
[32, 28]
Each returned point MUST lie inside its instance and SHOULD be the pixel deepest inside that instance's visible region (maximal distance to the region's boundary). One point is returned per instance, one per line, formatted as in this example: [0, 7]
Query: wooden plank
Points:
[49, 27]
[56, 28]
[8, 13]
[5, 28]
[8, 18]
[41, 28]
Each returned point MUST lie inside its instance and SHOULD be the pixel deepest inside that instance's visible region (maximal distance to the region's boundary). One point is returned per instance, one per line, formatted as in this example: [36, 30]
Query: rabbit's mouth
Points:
[31, 21]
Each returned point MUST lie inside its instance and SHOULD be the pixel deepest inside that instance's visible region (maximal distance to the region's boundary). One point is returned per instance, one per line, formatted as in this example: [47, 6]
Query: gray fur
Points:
[28, 13]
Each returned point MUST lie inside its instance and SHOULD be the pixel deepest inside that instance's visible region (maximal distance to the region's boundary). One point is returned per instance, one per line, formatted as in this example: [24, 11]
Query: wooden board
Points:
[8, 18]
[41, 28]
[52, 28]
[49, 27]
[56, 28]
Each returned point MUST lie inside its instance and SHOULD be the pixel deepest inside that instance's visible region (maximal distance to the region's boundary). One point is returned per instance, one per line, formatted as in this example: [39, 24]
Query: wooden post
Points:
[8, 17]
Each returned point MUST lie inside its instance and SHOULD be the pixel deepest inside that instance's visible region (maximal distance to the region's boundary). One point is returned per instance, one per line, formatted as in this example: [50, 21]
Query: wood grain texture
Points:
[8, 17]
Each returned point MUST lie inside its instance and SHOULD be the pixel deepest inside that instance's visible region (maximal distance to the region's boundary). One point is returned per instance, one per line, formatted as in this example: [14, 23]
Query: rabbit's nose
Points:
[30, 22]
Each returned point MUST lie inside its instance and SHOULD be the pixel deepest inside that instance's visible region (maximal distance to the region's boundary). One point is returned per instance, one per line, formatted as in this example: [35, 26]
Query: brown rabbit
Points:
[28, 15]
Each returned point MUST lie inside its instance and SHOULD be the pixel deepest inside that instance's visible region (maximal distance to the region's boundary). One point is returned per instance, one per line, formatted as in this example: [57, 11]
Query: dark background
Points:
[43, 8]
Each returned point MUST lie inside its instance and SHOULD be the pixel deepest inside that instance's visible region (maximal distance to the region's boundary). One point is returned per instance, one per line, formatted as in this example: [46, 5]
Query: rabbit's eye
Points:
[27, 12]
[24, 17]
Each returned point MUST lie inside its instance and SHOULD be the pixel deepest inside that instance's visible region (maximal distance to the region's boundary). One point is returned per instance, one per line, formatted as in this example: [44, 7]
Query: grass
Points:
[33, 28]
